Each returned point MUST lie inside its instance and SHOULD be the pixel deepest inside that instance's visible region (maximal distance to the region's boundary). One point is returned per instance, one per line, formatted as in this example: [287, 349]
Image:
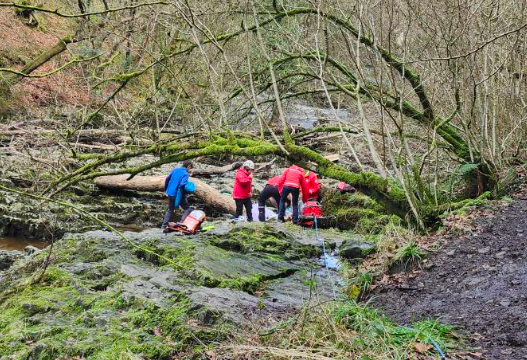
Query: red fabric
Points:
[312, 208]
[344, 188]
[294, 177]
[275, 181]
[313, 185]
[242, 185]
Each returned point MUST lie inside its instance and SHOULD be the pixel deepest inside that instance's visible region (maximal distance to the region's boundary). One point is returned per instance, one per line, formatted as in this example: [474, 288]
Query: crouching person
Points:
[270, 191]
[242, 190]
[177, 187]
[293, 181]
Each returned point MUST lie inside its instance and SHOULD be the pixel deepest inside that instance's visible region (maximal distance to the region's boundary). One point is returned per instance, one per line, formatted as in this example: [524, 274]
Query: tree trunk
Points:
[204, 192]
[43, 58]
[216, 170]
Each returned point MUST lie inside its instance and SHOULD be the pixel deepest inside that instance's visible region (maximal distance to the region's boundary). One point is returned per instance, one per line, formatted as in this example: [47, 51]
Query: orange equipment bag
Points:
[191, 223]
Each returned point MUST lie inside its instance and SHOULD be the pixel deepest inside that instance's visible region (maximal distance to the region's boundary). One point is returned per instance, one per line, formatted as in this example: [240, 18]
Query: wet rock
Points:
[7, 258]
[144, 290]
[17, 213]
[78, 268]
[32, 308]
[105, 285]
[31, 250]
[296, 290]
[355, 249]
[232, 305]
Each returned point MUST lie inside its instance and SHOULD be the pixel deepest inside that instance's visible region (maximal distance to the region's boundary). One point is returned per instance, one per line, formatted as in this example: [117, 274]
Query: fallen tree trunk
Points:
[216, 170]
[204, 192]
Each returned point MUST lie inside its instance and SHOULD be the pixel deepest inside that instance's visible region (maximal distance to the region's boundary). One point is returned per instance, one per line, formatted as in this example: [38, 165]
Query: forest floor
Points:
[477, 282]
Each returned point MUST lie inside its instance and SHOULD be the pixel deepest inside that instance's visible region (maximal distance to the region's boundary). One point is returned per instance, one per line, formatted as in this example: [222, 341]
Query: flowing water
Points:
[14, 243]
[331, 261]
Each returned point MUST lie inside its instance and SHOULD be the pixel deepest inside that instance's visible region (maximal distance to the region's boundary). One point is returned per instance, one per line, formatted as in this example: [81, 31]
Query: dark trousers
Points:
[295, 192]
[268, 192]
[240, 203]
[171, 207]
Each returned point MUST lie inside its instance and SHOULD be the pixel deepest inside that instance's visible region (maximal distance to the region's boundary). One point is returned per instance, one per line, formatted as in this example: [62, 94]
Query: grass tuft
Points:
[409, 255]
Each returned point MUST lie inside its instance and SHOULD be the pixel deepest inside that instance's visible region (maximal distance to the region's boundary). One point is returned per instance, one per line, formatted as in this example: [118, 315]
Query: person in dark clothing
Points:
[292, 181]
[177, 187]
[271, 190]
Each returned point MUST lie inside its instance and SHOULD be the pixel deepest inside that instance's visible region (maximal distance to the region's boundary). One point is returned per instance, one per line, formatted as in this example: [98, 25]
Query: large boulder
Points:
[154, 294]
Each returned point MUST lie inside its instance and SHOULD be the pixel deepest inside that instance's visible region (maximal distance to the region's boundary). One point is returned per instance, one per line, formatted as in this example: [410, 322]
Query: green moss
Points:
[245, 283]
[59, 317]
[242, 259]
[263, 239]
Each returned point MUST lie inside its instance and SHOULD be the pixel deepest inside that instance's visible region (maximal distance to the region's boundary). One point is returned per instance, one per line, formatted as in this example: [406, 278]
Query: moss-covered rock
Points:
[156, 295]
[28, 218]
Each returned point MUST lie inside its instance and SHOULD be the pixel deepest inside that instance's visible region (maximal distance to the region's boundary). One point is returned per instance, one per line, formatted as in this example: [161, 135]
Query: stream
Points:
[11, 243]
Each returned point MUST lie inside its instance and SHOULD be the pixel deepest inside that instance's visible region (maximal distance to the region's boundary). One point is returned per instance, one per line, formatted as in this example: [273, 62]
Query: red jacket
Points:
[242, 185]
[294, 177]
[274, 181]
[313, 185]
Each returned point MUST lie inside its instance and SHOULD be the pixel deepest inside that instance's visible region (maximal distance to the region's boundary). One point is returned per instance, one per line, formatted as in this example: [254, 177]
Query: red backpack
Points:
[310, 210]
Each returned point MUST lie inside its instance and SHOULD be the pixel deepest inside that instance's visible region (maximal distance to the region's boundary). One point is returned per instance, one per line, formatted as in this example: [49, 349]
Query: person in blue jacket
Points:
[177, 187]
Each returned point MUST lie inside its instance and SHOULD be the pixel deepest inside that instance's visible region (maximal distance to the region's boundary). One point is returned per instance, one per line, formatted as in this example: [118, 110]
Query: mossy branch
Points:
[41, 59]
[59, 13]
[387, 193]
[49, 73]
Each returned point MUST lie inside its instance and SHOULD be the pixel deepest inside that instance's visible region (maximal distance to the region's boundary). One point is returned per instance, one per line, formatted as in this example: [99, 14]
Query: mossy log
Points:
[385, 192]
[204, 192]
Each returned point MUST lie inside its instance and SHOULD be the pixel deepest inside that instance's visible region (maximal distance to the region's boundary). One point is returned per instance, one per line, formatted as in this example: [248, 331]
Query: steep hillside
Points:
[25, 35]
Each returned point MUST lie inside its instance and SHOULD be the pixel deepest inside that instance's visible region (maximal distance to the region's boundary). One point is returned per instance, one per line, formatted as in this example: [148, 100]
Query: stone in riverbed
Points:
[31, 250]
[7, 258]
[355, 249]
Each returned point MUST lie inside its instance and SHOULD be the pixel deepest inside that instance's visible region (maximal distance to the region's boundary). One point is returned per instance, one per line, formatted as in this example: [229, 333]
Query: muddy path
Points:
[477, 283]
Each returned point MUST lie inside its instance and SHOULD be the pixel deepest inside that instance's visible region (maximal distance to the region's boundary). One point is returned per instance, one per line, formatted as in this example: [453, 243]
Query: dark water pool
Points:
[15, 243]
[129, 227]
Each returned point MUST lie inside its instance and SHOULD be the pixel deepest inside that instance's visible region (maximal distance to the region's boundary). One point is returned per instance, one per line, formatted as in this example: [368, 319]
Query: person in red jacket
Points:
[271, 190]
[293, 181]
[243, 189]
[313, 186]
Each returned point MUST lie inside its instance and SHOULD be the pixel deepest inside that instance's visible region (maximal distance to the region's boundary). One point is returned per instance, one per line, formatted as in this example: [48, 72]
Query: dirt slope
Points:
[477, 283]
[22, 40]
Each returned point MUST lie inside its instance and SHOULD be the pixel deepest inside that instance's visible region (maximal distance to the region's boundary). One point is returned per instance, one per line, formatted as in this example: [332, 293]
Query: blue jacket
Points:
[176, 179]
